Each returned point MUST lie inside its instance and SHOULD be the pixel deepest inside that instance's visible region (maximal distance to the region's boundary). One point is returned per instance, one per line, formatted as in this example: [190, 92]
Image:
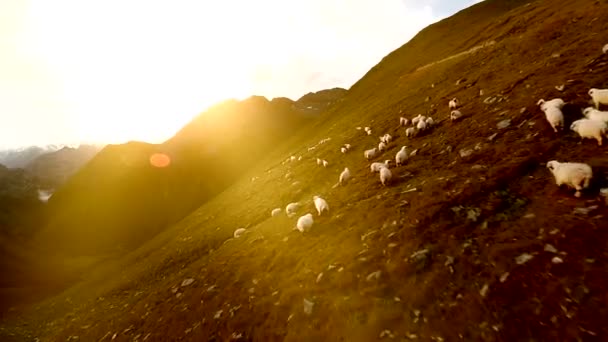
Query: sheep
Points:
[605, 49]
[369, 132]
[299, 158]
[319, 161]
[590, 129]
[239, 232]
[599, 96]
[387, 138]
[557, 102]
[574, 175]
[421, 125]
[291, 209]
[454, 103]
[381, 146]
[305, 223]
[403, 121]
[385, 175]
[455, 115]
[429, 121]
[347, 146]
[325, 163]
[344, 176]
[292, 158]
[401, 156]
[375, 167]
[594, 114]
[417, 119]
[320, 204]
[369, 154]
[343, 149]
[410, 131]
[275, 212]
[553, 112]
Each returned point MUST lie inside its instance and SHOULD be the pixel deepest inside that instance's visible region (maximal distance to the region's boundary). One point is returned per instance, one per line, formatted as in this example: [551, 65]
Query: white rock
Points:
[523, 258]
[239, 232]
[373, 276]
[308, 306]
[484, 290]
[187, 282]
[549, 248]
[557, 260]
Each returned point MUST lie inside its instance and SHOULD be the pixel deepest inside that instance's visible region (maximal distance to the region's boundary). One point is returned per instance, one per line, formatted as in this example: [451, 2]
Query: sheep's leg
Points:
[586, 182]
[599, 140]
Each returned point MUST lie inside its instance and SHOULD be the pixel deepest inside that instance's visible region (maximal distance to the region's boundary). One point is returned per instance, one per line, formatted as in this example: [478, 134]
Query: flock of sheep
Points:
[574, 175]
[593, 126]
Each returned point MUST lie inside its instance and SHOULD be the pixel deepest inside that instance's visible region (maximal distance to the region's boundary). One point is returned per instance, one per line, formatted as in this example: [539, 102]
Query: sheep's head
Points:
[574, 125]
[540, 102]
[552, 165]
[592, 91]
[315, 198]
[587, 111]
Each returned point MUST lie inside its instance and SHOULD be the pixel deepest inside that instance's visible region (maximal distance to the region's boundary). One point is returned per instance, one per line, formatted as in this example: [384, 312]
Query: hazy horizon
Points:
[106, 73]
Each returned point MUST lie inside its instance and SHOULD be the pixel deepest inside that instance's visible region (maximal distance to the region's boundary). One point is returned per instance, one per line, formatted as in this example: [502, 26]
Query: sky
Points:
[111, 71]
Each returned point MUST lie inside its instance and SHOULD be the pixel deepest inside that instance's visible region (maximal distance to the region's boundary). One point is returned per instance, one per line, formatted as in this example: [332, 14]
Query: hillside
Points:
[19, 158]
[55, 168]
[460, 246]
[119, 199]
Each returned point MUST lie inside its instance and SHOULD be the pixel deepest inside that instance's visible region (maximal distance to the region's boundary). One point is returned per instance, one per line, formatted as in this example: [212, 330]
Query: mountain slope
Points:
[437, 255]
[119, 199]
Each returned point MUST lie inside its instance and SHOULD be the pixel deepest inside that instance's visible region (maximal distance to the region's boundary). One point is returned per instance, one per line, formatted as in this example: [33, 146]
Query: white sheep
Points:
[554, 116]
[605, 49]
[381, 146]
[275, 212]
[590, 129]
[574, 175]
[599, 96]
[325, 163]
[369, 132]
[320, 204]
[455, 115]
[410, 131]
[347, 146]
[375, 167]
[403, 121]
[401, 156]
[556, 102]
[292, 158]
[417, 119]
[291, 209]
[239, 232]
[388, 138]
[304, 223]
[369, 154]
[421, 125]
[595, 114]
[343, 149]
[385, 175]
[429, 121]
[344, 176]
[319, 161]
[454, 103]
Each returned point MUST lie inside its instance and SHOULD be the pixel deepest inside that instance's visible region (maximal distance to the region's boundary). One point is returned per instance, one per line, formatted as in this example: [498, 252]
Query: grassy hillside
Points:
[119, 199]
[434, 256]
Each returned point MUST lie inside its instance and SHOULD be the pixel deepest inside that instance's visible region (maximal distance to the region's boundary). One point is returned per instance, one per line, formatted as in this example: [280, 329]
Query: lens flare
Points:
[160, 160]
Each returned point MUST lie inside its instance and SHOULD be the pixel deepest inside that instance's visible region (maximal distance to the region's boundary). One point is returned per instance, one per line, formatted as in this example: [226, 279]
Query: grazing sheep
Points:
[421, 125]
[344, 176]
[401, 156]
[369, 132]
[347, 146]
[239, 232]
[275, 212]
[594, 114]
[574, 175]
[417, 119]
[599, 96]
[369, 154]
[381, 146]
[375, 167]
[410, 131]
[455, 115]
[304, 223]
[292, 158]
[291, 209]
[553, 112]
[387, 138]
[429, 121]
[385, 176]
[319, 161]
[325, 163]
[343, 149]
[454, 103]
[403, 121]
[557, 103]
[320, 204]
[590, 129]
[605, 49]
[299, 158]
